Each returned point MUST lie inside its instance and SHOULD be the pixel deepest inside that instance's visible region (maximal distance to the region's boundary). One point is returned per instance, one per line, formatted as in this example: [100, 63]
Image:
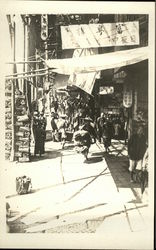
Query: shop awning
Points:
[94, 63]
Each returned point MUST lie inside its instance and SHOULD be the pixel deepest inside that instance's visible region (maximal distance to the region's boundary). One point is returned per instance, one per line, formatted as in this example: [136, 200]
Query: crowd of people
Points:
[74, 115]
[70, 114]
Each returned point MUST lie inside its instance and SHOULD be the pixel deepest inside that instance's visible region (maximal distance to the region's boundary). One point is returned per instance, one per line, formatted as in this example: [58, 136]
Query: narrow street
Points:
[78, 144]
[70, 195]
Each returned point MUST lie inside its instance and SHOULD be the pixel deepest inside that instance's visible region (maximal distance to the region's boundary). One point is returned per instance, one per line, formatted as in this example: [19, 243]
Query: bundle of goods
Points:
[23, 184]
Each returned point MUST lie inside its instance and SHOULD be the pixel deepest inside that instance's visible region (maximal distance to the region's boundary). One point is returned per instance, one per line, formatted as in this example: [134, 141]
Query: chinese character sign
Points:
[44, 27]
[104, 90]
[100, 35]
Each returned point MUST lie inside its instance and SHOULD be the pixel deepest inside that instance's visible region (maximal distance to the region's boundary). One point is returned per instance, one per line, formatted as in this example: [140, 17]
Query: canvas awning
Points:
[94, 63]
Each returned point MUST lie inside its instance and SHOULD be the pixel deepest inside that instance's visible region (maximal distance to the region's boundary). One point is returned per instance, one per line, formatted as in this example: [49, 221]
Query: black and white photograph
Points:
[77, 117]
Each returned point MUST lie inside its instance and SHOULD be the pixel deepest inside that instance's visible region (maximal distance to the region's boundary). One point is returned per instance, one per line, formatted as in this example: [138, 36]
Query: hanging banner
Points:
[100, 35]
[127, 96]
[84, 81]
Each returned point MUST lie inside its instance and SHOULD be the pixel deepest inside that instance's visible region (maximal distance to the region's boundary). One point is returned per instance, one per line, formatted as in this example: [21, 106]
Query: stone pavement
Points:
[73, 196]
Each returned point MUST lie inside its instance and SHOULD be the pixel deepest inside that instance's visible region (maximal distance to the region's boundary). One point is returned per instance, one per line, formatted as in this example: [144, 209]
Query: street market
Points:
[76, 124]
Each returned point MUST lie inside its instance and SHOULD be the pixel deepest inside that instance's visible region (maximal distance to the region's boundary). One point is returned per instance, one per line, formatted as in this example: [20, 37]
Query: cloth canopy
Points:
[94, 63]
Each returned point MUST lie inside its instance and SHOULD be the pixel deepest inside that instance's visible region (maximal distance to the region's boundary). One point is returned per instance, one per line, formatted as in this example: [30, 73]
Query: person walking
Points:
[35, 122]
[53, 126]
[82, 142]
[40, 135]
[107, 134]
[136, 151]
[100, 125]
[62, 126]
[89, 126]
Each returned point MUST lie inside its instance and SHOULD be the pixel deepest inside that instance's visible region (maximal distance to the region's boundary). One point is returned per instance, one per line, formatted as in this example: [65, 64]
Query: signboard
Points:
[127, 96]
[44, 27]
[100, 35]
[104, 90]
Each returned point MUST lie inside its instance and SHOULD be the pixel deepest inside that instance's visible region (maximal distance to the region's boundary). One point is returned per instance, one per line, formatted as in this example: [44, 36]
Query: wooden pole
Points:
[23, 62]
[23, 73]
[26, 76]
[46, 96]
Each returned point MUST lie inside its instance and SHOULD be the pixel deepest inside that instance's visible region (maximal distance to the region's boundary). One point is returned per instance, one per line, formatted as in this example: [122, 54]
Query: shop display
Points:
[8, 119]
[21, 127]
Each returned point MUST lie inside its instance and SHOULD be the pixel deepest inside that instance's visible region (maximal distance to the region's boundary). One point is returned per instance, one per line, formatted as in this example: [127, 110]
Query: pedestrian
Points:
[107, 134]
[136, 151]
[122, 129]
[40, 135]
[62, 126]
[76, 121]
[82, 141]
[117, 128]
[42, 120]
[89, 126]
[53, 126]
[35, 122]
[99, 125]
[54, 104]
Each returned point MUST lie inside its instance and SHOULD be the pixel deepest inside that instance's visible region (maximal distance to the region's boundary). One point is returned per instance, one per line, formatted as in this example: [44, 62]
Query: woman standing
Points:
[136, 151]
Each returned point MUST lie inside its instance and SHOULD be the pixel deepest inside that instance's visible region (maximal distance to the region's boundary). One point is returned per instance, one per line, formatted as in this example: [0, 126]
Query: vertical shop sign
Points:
[127, 96]
[135, 105]
[44, 27]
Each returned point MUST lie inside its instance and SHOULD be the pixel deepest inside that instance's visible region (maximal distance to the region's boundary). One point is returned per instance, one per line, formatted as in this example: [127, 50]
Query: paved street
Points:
[70, 195]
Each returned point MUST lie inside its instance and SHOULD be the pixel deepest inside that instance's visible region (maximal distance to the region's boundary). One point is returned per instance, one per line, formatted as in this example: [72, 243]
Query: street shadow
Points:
[65, 183]
[118, 167]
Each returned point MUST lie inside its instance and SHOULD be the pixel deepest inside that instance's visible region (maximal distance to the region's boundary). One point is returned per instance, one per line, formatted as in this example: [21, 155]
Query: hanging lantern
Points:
[127, 96]
[44, 27]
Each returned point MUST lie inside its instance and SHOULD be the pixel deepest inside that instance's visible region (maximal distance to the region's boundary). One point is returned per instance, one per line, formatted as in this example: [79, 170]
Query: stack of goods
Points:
[8, 119]
[22, 129]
